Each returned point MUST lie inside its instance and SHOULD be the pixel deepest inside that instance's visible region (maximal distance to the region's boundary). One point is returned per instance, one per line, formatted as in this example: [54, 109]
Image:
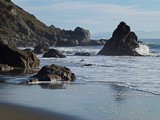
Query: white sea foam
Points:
[143, 49]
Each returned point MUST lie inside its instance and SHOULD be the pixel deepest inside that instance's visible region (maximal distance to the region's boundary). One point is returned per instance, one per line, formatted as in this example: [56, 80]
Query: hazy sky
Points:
[96, 15]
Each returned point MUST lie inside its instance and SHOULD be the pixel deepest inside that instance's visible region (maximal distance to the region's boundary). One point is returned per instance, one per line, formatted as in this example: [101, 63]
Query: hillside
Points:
[21, 28]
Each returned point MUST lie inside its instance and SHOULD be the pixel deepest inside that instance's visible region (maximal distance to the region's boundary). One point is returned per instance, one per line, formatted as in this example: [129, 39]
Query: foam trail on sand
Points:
[143, 49]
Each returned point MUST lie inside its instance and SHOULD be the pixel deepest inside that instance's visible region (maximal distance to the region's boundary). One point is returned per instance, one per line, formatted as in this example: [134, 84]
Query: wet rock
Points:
[41, 48]
[122, 42]
[27, 50]
[5, 68]
[53, 73]
[54, 53]
[17, 58]
[83, 54]
[87, 65]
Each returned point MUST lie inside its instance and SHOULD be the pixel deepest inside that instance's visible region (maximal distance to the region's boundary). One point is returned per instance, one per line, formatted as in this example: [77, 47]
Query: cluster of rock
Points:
[20, 28]
[12, 58]
[122, 42]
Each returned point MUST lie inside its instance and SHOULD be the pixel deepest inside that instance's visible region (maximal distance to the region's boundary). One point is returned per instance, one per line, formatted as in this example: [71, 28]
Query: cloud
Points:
[94, 16]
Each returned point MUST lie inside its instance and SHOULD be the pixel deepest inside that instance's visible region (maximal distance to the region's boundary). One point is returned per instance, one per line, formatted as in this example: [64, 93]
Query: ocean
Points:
[87, 95]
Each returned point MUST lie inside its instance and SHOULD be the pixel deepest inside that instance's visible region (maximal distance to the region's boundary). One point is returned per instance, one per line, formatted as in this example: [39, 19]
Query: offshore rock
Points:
[41, 48]
[17, 58]
[122, 42]
[83, 54]
[53, 53]
[97, 42]
[52, 73]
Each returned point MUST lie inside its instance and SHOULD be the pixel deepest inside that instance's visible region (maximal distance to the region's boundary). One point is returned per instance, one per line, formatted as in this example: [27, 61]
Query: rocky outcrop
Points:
[21, 28]
[40, 49]
[83, 35]
[78, 37]
[52, 73]
[122, 42]
[54, 53]
[17, 58]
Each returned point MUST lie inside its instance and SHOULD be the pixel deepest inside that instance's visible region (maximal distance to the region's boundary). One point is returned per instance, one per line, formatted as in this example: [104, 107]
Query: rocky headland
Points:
[21, 28]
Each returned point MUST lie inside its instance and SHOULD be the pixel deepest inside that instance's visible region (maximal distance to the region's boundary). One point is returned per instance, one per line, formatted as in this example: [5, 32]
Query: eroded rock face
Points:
[53, 73]
[17, 58]
[122, 42]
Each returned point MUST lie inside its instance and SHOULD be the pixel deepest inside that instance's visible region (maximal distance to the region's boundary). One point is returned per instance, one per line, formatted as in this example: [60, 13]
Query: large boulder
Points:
[17, 58]
[54, 53]
[52, 73]
[122, 42]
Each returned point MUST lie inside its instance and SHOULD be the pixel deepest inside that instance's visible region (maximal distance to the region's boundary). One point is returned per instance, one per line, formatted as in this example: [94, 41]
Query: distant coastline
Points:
[140, 34]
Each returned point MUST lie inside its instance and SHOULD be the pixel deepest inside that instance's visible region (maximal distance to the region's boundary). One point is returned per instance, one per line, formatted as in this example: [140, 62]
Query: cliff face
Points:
[21, 28]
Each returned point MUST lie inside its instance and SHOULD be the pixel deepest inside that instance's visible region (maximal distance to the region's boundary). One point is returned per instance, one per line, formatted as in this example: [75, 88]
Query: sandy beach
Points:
[78, 102]
[10, 111]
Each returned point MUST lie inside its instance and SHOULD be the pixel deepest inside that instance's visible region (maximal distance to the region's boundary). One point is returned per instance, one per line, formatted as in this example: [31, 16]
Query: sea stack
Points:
[122, 42]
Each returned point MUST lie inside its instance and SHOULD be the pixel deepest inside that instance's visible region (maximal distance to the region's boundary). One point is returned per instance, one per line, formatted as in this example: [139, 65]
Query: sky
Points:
[95, 15]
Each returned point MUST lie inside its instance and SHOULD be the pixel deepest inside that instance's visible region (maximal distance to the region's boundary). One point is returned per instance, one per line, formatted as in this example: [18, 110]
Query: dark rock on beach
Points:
[17, 58]
[54, 53]
[53, 73]
[83, 54]
[122, 42]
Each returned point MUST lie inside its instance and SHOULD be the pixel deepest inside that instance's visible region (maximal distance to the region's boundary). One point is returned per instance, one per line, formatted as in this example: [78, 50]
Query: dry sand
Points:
[15, 112]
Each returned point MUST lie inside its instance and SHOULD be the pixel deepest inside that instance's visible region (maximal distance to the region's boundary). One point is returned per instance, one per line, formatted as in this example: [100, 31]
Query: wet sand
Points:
[10, 111]
[91, 101]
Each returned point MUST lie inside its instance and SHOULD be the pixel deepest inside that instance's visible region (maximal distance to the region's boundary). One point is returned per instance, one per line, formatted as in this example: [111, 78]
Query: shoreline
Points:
[11, 111]
[90, 101]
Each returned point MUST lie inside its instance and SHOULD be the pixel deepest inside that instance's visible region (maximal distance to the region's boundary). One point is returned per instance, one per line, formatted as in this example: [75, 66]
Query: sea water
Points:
[139, 73]
[87, 96]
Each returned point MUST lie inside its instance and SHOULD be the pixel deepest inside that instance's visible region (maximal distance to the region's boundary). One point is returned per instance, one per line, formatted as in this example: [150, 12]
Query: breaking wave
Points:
[143, 49]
